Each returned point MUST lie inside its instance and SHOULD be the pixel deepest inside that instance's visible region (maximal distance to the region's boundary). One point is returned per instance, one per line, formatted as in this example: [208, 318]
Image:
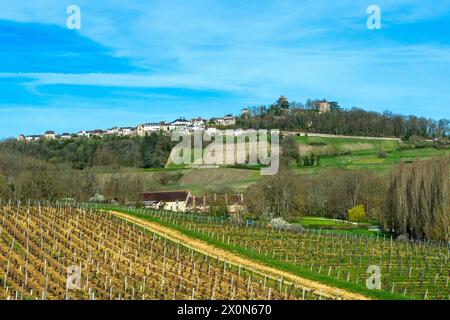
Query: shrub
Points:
[357, 214]
[382, 154]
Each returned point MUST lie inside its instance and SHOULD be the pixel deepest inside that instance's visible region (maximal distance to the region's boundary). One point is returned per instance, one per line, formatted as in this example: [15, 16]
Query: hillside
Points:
[363, 153]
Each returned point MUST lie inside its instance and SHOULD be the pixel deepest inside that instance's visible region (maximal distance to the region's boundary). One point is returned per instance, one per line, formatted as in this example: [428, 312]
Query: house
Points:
[226, 121]
[96, 133]
[142, 129]
[83, 133]
[21, 137]
[126, 131]
[112, 131]
[33, 138]
[66, 136]
[180, 123]
[50, 135]
[323, 106]
[91, 133]
[166, 200]
[198, 122]
[233, 202]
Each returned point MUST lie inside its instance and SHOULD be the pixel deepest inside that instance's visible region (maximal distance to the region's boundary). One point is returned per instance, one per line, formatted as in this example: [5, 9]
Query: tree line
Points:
[414, 201]
[149, 151]
[354, 121]
[24, 177]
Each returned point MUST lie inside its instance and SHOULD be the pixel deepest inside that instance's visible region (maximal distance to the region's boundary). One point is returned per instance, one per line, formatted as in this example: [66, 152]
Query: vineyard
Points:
[413, 270]
[41, 246]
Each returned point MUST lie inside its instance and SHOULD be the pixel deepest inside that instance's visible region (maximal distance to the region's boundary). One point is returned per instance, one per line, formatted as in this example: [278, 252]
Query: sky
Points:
[140, 61]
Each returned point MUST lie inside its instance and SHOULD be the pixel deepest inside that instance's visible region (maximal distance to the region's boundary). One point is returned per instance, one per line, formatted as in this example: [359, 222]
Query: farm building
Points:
[184, 201]
[167, 200]
[233, 202]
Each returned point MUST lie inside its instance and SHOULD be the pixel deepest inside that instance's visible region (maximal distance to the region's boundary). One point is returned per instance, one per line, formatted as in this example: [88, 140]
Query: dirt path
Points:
[237, 260]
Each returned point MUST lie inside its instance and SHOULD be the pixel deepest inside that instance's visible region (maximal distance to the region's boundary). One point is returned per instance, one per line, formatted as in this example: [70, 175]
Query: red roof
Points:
[165, 196]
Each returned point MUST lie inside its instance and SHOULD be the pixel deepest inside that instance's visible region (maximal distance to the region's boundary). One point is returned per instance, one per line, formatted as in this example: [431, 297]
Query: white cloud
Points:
[259, 49]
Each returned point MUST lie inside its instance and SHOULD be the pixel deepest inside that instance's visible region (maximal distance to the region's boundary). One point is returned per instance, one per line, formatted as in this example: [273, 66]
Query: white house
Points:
[126, 131]
[225, 121]
[229, 120]
[198, 122]
[83, 133]
[32, 138]
[49, 135]
[180, 123]
[112, 131]
[96, 133]
[166, 200]
[142, 129]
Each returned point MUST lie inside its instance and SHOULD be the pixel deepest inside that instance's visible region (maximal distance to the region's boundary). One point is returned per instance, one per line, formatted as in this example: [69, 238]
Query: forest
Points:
[150, 151]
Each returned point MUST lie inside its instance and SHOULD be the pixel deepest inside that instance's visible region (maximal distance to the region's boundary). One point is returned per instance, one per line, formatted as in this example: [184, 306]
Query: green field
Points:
[335, 225]
[355, 153]
[332, 145]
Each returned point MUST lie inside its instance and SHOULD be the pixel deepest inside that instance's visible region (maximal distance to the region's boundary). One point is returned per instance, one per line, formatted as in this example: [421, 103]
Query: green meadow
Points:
[355, 153]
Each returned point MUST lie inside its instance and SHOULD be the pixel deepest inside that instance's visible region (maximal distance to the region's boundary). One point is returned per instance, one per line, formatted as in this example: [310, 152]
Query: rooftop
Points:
[165, 196]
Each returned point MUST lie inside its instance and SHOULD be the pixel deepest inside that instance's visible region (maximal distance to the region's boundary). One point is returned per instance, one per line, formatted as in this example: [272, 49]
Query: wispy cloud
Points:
[247, 52]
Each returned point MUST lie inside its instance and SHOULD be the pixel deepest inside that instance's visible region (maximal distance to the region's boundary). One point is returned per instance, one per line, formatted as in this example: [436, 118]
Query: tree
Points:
[418, 200]
[274, 196]
[357, 214]
[290, 150]
[283, 102]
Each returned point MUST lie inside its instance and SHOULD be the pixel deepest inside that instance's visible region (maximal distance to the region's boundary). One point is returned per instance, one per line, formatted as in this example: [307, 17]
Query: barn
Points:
[166, 200]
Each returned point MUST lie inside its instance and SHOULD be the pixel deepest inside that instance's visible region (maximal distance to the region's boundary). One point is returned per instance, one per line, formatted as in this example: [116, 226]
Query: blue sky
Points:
[137, 61]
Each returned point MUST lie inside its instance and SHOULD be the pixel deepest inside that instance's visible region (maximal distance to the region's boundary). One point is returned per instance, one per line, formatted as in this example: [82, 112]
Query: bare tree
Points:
[418, 200]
